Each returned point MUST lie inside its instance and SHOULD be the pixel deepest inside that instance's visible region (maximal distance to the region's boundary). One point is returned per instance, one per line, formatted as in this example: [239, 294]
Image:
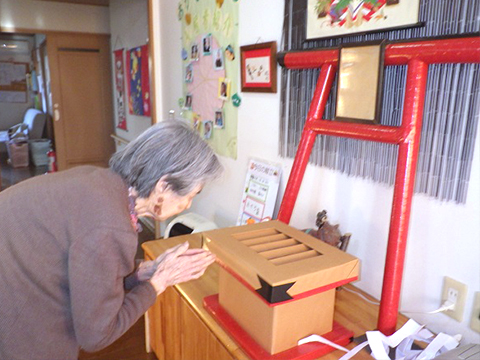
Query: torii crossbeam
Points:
[417, 55]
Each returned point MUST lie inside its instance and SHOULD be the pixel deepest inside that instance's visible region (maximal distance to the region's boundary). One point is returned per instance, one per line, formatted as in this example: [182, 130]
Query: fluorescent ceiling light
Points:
[14, 46]
[9, 46]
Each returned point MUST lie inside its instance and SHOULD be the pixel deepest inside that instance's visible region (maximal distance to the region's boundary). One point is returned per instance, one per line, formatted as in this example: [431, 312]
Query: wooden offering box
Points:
[277, 282]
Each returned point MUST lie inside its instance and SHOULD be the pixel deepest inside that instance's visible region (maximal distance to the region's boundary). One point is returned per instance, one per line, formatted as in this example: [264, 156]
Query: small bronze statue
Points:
[330, 233]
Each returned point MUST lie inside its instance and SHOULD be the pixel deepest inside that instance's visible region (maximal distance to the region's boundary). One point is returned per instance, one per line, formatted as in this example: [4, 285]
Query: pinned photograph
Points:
[219, 119]
[207, 129]
[197, 120]
[218, 59]
[229, 53]
[188, 102]
[189, 73]
[207, 44]
[223, 88]
[194, 55]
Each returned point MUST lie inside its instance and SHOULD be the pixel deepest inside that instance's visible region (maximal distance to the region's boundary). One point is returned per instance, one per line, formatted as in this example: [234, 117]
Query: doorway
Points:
[80, 71]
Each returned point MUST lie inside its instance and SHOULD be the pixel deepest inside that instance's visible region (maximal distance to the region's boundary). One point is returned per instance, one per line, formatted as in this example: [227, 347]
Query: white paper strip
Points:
[403, 340]
[318, 338]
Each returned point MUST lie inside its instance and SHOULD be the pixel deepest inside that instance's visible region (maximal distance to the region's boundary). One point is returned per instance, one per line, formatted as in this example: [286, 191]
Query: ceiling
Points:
[84, 2]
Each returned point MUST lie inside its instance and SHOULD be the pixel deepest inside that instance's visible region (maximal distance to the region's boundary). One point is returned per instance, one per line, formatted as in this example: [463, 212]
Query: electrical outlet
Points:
[475, 320]
[455, 292]
[452, 295]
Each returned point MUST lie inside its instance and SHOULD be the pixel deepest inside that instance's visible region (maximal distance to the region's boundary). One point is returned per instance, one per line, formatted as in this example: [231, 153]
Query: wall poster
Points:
[120, 88]
[138, 81]
[330, 18]
[210, 64]
[13, 82]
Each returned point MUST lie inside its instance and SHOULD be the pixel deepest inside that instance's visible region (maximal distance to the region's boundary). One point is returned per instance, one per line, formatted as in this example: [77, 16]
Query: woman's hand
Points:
[146, 269]
[180, 264]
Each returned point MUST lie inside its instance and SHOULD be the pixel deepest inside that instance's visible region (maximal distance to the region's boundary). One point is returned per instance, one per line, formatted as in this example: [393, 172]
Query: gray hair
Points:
[171, 150]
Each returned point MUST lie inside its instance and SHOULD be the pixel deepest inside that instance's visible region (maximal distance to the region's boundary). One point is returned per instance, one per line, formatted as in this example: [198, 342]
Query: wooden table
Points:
[179, 328]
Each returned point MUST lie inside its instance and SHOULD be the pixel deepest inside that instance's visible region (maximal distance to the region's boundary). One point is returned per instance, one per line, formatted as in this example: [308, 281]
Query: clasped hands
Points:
[176, 265]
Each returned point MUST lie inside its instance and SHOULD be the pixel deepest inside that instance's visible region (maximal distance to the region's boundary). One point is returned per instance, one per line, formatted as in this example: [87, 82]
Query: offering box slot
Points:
[294, 257]
[253, 234]
[298, 248]
[265, 239]
[274, 245]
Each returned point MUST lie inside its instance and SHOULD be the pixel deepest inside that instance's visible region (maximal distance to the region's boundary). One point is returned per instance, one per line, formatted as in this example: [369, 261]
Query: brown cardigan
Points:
[66, 246]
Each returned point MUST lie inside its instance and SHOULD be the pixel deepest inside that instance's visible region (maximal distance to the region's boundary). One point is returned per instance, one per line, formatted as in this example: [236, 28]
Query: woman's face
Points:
[165, 203]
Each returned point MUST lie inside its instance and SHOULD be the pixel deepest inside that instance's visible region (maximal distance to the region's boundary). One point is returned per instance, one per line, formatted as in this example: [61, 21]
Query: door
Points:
[81, 82]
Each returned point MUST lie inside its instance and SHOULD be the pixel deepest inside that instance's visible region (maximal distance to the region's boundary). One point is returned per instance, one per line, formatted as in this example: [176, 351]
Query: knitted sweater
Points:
[66, 246]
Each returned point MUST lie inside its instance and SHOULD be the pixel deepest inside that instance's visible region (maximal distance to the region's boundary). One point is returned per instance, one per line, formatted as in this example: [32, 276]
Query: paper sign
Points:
[260, 192]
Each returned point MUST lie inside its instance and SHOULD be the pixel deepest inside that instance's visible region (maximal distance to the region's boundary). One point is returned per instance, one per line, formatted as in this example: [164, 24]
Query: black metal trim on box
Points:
[274, 294]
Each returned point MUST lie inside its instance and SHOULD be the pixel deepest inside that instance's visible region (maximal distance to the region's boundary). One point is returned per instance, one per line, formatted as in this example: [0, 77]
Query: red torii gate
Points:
[417, 56]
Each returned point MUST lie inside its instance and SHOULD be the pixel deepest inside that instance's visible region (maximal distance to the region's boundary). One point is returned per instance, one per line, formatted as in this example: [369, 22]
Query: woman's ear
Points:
[161, 186]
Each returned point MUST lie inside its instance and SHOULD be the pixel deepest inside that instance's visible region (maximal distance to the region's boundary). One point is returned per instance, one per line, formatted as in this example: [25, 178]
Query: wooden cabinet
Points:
[177, 333]
[177, 326]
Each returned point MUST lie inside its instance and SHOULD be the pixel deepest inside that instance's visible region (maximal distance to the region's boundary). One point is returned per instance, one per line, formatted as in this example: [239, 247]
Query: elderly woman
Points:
[68, 242]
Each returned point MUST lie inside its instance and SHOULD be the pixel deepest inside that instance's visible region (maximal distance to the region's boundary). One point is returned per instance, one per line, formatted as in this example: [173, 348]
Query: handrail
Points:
[119, 139]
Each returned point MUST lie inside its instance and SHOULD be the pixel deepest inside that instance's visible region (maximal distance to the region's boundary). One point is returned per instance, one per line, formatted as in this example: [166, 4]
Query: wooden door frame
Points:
[155, 63]
[154, 35]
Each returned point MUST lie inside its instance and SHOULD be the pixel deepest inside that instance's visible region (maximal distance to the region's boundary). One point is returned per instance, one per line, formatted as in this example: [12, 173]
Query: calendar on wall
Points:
[13, 82]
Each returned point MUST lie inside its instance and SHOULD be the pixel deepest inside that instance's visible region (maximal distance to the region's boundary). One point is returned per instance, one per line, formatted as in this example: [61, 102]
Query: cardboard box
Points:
[18, 153]
[277, 282]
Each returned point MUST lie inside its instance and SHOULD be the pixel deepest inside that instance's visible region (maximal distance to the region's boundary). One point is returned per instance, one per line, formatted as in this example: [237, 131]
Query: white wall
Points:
[128, 29]
[443, 238]
[44, 15]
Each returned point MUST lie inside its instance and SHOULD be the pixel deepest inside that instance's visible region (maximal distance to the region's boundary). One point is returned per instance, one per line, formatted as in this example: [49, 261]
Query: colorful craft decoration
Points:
[236, 100]
[139, 81]
[120, 89]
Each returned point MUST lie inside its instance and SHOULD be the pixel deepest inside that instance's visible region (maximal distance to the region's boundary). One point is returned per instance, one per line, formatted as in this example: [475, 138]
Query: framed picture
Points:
[207, 44]
[219, 119]
[229, 53]
[196, 119]
[189, 73]
[333, 18]
[360, 80]
[218, 59]
[223, 88]
[188, 102]
[194, 54]
[259, 67]
[207, 129]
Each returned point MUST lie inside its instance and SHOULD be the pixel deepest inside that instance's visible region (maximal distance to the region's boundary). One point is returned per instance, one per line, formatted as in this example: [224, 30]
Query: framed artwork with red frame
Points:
[259, 67]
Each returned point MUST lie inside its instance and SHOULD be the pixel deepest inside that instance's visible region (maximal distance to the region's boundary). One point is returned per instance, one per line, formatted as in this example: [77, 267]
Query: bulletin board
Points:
[13, 82]
[210, 70]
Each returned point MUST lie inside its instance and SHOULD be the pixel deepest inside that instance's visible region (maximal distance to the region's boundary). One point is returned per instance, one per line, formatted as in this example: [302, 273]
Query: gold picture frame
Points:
[359, 82]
